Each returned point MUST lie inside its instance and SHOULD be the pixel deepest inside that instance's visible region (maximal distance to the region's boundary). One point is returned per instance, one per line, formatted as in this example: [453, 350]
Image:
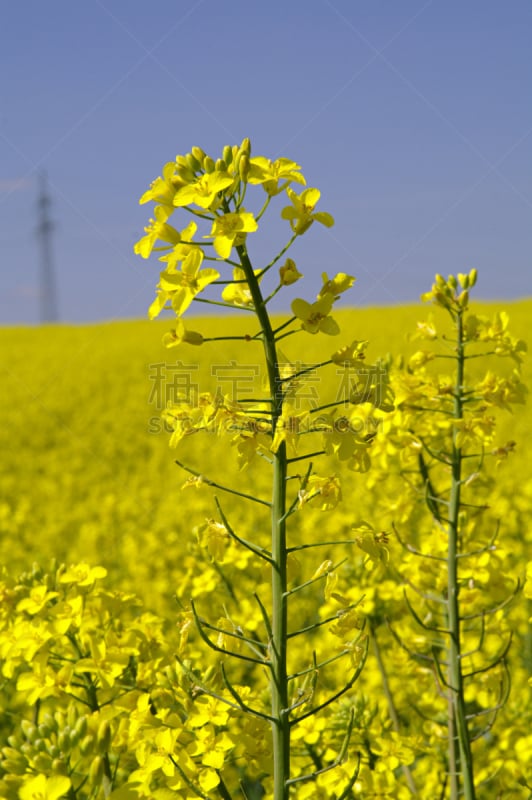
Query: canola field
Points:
[87, 481]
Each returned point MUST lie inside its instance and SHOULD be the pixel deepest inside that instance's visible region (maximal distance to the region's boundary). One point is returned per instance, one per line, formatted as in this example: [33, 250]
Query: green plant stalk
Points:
[394, 716]
[454, 676]
[279, 553]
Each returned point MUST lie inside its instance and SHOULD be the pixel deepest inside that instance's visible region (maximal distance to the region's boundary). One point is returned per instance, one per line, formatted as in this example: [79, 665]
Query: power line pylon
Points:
[47, 287]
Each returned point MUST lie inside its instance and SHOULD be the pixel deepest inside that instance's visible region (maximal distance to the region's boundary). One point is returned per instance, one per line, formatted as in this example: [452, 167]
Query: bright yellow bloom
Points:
[335, 286]
[249, 443]
[289, 273]
[208, 710]
[44, 681]
[216, 538]
[315, 316]
[163, 189]
[181, 287]
[204, 191]
[350, 355]
[42, 788]
[420, 358]
[182, 249]
[269, 173]
[180, 335]
[301, 213]
[37, 600]
[288, 428]
[227, 228]
[347, 622]
[157, 228]
[238, 294]
[82, 574]
[106, 664]
[325, 493]
[372, 542]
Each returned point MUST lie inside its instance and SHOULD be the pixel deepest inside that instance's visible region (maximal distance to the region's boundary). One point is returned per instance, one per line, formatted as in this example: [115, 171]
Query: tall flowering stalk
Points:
[270, 426]
[446, 425]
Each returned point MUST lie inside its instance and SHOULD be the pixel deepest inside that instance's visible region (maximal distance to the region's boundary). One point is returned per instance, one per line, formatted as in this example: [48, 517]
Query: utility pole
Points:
[47, 287]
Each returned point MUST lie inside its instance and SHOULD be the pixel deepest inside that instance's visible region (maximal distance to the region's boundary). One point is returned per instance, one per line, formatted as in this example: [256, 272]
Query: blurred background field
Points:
[87, 473]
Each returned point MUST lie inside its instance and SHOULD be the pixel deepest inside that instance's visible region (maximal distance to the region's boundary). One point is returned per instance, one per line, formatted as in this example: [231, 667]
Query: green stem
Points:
[455, 678]
[394, 716]
[279, 553]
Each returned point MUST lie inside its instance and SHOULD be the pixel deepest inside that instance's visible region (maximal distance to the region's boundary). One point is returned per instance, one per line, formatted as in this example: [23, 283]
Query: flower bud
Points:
[227, 154]
[208, 164]
[463, 280]
[42, 762]
[245, 147]
[220, 165]
[45, 730]
[81, 727]
[186, 173]
[193, 162]
[13, 761]
[198, 153]
[54, 751]
[473, 277]
[13, 741]
[451, 280]
[72, 716]
[29, 729]
[86, 745]
[289, 273]
[103, 738]
[96, 770]
[243, 167]
[463, 299]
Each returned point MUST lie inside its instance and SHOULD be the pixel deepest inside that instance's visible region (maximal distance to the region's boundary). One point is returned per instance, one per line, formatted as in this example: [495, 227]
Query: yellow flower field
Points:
[88, 480]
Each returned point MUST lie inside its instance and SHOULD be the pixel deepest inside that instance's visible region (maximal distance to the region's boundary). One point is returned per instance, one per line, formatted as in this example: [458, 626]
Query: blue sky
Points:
[413, 118]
